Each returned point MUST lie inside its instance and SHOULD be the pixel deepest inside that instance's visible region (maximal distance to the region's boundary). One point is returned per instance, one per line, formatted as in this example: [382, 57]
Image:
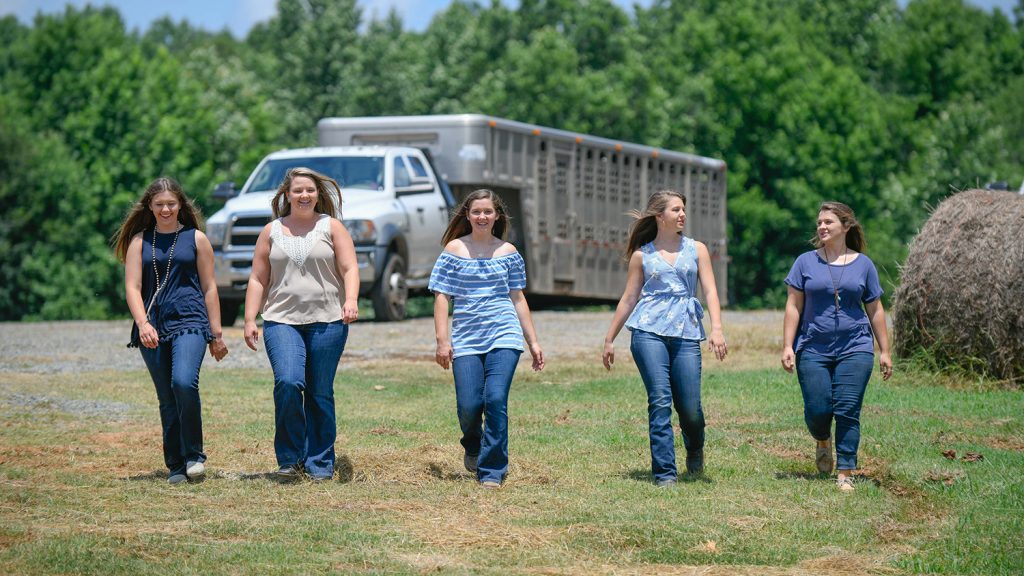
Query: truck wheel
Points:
[229, 312]
[391, 294]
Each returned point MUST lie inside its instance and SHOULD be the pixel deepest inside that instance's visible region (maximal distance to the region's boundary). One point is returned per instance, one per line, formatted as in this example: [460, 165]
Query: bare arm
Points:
[706, 275]
[876, 314]
[526, 321]
[630, 296]
[208, 283]
[256, 291]
[345, 260]
[443, 355]
[133, 292]
[794, 307]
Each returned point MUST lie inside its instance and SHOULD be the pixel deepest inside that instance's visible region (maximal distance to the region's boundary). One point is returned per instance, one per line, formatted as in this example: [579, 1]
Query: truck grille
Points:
[245, 230]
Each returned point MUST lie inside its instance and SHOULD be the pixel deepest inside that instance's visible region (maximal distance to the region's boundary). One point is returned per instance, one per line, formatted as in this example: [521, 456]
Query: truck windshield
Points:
[366, 172]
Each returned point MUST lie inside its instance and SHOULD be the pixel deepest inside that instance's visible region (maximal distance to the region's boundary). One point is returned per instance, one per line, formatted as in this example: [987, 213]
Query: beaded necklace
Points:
[167, 270]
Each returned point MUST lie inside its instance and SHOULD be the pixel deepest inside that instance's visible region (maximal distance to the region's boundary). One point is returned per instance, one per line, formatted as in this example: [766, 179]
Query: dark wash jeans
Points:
[482, 383]
[174, 366]
[670, 368]
[834, 388]
[305, 359]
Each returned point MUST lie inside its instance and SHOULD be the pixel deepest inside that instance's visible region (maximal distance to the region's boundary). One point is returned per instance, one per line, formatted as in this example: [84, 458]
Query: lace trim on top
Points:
[298, 247]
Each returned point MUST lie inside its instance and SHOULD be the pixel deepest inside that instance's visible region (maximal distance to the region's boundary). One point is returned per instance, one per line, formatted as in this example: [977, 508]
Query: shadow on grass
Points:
[644, 476]
[435, 470]
[797, 475]
[155, 475]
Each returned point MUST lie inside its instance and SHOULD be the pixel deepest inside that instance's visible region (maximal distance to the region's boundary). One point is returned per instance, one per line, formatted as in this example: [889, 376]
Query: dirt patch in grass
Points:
[832, 565]
[1002, 443]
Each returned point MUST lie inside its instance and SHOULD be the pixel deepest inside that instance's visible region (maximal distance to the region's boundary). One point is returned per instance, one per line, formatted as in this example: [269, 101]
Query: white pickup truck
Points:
[392, 203]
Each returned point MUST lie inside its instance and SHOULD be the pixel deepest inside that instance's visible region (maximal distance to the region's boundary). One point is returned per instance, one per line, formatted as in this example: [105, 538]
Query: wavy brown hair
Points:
[644, 228]
[459, 225]
[140, 217]
[324, 194]
[855, 239]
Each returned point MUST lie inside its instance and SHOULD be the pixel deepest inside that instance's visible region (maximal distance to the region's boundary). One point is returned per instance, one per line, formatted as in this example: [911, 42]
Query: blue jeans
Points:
[670, 369]
[304, 359]
[482, 382]
[834, 387]
[174, 366]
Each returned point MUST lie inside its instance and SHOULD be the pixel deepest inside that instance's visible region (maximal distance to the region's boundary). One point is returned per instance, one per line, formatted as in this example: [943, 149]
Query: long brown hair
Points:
[459, 225]
[140, 217]
[645, 228]
[855, 239]
[324, 195]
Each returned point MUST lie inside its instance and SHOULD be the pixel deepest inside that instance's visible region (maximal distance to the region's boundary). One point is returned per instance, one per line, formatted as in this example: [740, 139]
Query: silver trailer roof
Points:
[482, 120]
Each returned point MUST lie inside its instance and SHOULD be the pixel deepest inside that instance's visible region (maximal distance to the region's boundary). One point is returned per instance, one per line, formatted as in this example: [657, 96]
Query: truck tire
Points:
[229, 312]
[391, 294]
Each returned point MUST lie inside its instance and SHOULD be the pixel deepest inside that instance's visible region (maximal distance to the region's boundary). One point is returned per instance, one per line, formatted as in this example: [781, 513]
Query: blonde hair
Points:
[324, 198]
[140, 217]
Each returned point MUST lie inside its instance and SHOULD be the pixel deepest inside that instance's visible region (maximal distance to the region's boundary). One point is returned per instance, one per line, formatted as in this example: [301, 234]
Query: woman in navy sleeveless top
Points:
[172, 295]
[833, 316]
[660, 307]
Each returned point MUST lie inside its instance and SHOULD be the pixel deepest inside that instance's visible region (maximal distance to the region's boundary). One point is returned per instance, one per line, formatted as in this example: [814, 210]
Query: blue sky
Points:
[240, 15]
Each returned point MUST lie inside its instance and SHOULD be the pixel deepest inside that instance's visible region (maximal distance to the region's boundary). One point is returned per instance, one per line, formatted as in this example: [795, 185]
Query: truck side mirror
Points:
[225, 191]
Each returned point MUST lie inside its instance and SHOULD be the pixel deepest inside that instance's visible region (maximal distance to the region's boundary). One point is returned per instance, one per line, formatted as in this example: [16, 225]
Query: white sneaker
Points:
[195, 469]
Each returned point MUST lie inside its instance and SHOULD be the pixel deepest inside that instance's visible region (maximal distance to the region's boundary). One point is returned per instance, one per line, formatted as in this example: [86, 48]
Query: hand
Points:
[885, 363]
[788, 359]
[609, 355]
[538, 357]
[252, 334]
[218, 349]
[148, 336]
[717, 344]
[350, 311]
[443, 355]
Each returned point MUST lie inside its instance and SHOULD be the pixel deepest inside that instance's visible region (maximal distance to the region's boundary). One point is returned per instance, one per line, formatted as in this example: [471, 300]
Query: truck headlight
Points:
[215, 232]
[362, 231]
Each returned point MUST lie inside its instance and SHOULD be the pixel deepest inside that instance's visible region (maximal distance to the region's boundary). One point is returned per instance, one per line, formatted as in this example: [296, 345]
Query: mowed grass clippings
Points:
[83, 487]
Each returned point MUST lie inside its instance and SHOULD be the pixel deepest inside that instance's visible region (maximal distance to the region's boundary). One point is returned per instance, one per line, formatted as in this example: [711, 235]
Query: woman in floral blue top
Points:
[660, 307]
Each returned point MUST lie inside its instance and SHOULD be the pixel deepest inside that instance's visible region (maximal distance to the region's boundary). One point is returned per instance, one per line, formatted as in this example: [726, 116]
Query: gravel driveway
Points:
[61, 347]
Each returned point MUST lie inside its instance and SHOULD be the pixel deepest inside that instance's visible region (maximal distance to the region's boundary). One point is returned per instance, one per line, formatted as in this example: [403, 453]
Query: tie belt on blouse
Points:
[691, 304]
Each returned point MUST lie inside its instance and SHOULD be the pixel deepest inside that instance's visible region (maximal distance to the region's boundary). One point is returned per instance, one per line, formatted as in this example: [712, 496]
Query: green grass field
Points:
[84, 492]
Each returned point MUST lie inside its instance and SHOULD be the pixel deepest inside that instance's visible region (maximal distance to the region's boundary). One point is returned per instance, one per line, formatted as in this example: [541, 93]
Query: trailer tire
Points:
[391, 294]
[229, 312]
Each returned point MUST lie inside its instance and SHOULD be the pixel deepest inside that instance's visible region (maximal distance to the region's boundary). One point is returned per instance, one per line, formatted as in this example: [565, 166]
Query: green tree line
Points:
[888, 109]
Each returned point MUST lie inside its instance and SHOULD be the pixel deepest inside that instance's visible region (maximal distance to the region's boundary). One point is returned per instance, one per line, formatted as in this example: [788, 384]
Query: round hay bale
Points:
[961, 293]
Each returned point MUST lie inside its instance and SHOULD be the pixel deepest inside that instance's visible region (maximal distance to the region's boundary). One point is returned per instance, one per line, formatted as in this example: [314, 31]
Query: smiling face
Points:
[482, 215]
[674, 215]
[302, 195]
[165, 207]
[830, 227]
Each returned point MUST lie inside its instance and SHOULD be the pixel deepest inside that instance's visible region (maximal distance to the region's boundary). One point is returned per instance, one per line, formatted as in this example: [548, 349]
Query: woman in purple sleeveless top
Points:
[172, 295]
[833, 317]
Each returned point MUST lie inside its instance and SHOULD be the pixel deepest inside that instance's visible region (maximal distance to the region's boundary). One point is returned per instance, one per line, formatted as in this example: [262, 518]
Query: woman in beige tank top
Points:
[305, 280]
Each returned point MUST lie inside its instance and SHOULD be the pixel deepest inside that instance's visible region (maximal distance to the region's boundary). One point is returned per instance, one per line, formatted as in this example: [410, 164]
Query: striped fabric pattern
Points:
[484, 317]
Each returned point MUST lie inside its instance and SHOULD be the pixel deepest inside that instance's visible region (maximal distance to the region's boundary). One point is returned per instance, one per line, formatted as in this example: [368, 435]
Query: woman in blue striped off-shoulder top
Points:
[660, 307]
[483, 276]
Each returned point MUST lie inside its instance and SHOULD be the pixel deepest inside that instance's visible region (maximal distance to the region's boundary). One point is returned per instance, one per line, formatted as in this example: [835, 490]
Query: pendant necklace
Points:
[835, 284]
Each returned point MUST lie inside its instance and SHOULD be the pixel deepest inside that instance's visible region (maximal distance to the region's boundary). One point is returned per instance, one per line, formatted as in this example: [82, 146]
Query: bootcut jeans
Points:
[304, 359]
[670, 368]
[174, 366]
